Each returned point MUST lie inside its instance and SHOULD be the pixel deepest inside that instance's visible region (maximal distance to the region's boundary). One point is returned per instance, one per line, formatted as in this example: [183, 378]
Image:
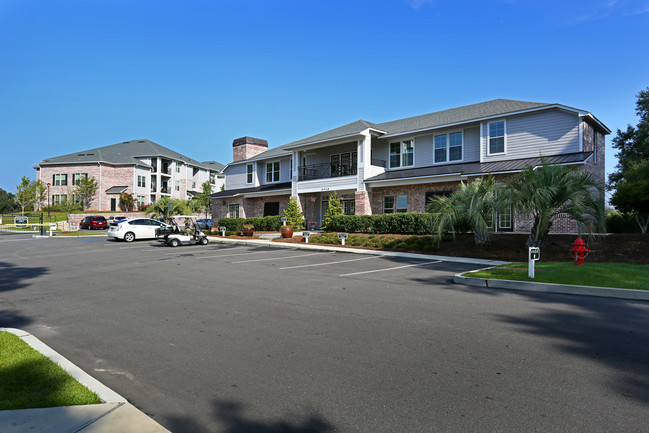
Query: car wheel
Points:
[174, 243]
[129, 237]
[203, 241]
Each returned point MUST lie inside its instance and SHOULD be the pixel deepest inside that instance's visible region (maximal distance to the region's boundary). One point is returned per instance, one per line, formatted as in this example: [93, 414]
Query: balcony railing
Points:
[325, 170]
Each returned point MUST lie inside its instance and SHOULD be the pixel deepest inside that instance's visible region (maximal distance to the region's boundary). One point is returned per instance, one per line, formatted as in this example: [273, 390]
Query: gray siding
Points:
[235, 177]
[323, 155]
[531, 135]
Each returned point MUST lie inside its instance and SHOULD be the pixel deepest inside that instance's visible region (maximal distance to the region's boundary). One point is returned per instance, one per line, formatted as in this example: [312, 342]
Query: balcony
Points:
[325, 170]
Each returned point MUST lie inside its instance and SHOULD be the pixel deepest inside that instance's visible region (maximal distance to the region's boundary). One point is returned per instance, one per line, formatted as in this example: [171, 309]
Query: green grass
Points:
[98, 233]
[29, 380]
[618, 275]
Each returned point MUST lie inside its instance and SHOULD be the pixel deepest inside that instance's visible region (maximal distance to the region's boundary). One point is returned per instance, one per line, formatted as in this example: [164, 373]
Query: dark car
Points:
[204, 223]
[93, 222]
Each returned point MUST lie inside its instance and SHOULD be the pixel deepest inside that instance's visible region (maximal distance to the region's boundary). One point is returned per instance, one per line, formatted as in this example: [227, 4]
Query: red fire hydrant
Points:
[580, 251]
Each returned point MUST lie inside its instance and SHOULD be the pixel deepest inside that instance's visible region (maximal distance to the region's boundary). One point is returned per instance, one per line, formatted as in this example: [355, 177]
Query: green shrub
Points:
[265, 224]
[618, 222]
[396, 223]
[232, 224]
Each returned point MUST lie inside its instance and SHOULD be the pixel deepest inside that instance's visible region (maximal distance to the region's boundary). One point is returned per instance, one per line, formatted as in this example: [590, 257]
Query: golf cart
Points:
[182, 231]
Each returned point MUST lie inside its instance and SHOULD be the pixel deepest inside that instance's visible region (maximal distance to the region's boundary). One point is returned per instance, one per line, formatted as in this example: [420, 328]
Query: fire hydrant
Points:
[580, 251]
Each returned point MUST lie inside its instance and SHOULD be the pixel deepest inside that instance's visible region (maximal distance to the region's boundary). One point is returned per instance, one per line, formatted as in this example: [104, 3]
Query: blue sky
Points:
[194, 75]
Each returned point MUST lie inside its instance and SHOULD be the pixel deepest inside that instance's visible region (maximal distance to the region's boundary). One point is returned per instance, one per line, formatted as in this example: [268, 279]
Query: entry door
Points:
[113, 204]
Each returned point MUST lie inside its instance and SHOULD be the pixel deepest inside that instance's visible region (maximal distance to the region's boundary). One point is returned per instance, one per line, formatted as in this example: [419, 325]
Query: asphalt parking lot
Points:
[234, 338]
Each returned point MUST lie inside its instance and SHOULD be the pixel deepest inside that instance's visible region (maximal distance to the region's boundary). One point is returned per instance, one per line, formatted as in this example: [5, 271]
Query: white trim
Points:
[488, 143]
[448, 147]
[252, 173]
[417, 180]
[342, 137]
[580, 133]
[481, 141]
[401, 141]
[279, 171]
[265, 193]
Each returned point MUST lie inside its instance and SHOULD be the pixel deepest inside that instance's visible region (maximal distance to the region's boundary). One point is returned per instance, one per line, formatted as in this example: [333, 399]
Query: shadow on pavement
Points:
[230, 415]
[14, 278]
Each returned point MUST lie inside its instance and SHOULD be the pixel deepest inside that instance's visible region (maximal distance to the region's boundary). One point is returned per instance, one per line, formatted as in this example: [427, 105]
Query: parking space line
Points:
[282, 258]
[390, 269]
[330, 263]
[204, 250]
[238, 254]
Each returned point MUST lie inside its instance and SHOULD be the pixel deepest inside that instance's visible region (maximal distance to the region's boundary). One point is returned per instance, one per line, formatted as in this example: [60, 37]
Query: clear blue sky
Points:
[194, 75]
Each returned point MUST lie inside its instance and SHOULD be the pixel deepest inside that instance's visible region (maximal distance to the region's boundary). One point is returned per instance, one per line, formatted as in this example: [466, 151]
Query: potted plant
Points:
[248, 229]
[294, 219]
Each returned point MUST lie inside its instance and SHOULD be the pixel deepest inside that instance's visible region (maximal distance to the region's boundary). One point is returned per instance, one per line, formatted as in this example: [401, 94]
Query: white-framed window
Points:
[141, 181]
[60, 179]
[392, 204]
[212, 178]
[177, 185]
[505, 219]
[496, 137]
[449, 147]
[140, 201]
[249, 173]
[233, 211]
[59, 198]
[76, 177]
[402, 154]
[272, 172]
[178, 165]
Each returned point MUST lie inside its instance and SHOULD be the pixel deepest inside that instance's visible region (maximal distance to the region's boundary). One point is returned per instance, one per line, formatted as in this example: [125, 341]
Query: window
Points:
[392, 205]
[272, 172]
[59, 198]
[505, 219]
[249, 173]
[595, 146]
[402, 154]
[496, 137]
[78, 176]
[178, 185]
[448, 147]
[233, 211]
[140, 202]
[178, 168]
[141, 181]
[60, 179]
[212, 178]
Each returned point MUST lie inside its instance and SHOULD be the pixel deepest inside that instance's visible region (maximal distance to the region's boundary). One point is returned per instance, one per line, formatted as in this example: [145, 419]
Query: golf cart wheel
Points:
[129, 237]
[174, 243]
[203, 241]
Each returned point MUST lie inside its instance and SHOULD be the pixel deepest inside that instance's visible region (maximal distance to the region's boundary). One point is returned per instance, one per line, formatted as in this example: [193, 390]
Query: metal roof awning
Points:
[116, 189]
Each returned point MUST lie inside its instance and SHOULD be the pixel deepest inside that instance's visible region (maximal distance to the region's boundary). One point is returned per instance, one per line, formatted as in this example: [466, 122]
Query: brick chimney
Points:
[247, 147]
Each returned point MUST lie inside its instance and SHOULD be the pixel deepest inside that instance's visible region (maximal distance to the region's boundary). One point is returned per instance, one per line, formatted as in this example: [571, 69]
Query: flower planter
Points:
[287, 232]
[248, 231]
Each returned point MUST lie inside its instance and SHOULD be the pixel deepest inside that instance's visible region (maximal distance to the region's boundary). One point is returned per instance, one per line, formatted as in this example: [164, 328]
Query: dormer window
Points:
[402, 154]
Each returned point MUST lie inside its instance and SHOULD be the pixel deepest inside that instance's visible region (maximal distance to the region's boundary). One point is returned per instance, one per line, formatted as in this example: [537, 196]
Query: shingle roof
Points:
[124, 153]
[262, 188]
[466, 113]
[479, 168]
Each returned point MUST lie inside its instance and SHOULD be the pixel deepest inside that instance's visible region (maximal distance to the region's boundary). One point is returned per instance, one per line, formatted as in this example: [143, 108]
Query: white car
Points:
[137, 228]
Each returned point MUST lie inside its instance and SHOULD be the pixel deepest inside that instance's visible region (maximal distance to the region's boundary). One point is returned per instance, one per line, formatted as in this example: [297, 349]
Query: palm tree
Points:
[161, 207]
[474, 203]
[546, 191]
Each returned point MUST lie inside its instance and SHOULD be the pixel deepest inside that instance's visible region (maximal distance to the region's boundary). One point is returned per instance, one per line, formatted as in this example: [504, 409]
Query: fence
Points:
[16, 225]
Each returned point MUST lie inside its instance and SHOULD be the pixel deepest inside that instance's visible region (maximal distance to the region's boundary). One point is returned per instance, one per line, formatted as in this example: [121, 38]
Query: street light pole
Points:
[48, 201]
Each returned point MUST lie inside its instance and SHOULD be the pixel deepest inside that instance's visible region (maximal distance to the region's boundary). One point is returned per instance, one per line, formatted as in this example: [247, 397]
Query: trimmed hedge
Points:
[265, 224]
[394, 223]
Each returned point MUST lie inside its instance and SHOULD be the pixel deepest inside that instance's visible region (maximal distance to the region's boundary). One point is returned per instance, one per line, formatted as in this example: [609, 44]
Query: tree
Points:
[633, 144]
[85, 190]
[335, 209]
[7, 202]
[632, 193]
[204, 199]
[474, 203]
[126, 201]
[68, 203]
[161, 207]
[293, 215]
[547, 191]
[25, 193]
[39, 192]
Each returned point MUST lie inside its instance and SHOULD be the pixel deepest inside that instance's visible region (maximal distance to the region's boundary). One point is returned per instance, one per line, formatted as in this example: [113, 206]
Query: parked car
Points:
[115, 218]
[93, 222]
[137, 228]
[204, 223]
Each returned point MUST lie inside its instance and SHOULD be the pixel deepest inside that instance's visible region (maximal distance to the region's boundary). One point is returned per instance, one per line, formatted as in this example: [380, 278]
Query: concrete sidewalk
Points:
[114, 415]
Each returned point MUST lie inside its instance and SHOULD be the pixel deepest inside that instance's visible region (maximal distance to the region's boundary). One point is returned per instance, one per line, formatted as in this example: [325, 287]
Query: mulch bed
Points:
[619, 248]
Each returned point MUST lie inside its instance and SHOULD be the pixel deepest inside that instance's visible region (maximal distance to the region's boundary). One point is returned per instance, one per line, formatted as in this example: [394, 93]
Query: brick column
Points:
[362, 203]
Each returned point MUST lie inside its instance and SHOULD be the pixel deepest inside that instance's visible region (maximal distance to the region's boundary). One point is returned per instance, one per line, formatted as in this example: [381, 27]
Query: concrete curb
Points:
[106, 394]
[603, 292]
[356, 251]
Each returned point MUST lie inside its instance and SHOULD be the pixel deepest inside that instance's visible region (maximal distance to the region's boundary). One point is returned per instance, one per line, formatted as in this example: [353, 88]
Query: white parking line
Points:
[389, 269]
[239, 254]
[281, 258]
[330, 263]
[198, 249]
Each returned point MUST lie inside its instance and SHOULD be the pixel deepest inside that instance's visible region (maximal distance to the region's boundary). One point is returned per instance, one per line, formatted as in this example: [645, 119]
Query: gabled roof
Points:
[438, 119]
[125, 153]
[255, 189]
